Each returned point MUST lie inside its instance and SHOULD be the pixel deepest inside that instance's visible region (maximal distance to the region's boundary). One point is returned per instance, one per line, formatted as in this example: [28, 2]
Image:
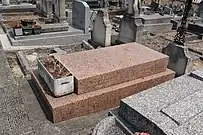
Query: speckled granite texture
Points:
[103, 77]
[74, 105]
[101, 68]
[172, 108]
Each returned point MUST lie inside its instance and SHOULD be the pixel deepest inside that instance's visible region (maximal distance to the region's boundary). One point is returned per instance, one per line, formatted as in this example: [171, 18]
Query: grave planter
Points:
[58, 85]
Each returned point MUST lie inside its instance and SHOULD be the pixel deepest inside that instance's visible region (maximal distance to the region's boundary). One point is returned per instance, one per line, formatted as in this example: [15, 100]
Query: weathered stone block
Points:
[100, 68]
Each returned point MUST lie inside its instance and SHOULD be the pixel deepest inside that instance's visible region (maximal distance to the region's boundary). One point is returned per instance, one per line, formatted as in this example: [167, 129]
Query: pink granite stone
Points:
[74, 105]
[101, 68]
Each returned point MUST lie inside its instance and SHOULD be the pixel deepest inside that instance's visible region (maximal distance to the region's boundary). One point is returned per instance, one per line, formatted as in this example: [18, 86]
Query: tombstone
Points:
[154, 5]
[168, 10]
[81, 15]
[179, 59]
[131, 30]
[131, 26]
[101, 33]
[59, 7]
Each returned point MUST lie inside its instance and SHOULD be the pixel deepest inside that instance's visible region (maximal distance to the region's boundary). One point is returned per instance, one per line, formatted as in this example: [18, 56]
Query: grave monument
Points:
[101, 33]
[172, 108]
[81, 15]
[131, 26]
[179, 59]
[102, 77]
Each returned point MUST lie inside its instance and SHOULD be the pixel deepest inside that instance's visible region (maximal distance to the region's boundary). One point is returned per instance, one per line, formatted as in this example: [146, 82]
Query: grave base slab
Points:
[73, 105]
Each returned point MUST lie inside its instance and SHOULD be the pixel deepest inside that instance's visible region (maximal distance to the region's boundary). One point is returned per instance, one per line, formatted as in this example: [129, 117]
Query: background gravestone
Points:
[101, 33]
[81, 15]
[168, 10]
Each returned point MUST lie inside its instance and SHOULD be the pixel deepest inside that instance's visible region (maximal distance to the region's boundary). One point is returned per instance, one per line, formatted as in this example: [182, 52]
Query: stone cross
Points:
[134, 7]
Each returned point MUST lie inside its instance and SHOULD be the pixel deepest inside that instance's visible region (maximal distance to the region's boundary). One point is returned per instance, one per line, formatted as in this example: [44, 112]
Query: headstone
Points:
[131, 26]
[101, 33]
[81, 15]
[168, 10]
[131, 30]
[179, 59]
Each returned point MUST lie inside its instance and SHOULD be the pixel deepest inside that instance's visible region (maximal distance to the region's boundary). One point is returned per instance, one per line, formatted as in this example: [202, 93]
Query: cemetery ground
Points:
[23, 112]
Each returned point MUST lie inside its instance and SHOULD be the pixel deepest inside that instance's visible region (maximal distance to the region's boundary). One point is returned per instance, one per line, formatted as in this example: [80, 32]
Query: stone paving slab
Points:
[5, 72]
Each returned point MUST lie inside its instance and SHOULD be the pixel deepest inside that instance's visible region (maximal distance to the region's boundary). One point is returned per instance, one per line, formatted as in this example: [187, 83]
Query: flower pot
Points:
[58, 86]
